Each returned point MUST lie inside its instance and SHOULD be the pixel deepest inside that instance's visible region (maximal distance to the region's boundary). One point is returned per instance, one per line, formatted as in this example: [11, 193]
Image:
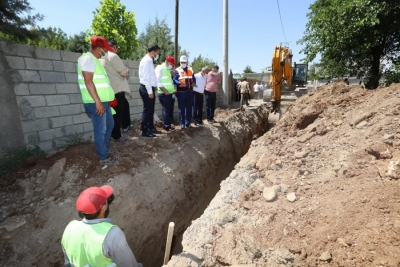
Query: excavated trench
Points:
[173, 179]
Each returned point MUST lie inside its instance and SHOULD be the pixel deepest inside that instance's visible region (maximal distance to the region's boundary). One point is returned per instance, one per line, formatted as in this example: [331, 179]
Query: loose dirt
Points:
[320, 189]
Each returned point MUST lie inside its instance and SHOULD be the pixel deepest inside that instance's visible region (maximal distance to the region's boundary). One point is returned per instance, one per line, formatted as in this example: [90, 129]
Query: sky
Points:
[254, 25]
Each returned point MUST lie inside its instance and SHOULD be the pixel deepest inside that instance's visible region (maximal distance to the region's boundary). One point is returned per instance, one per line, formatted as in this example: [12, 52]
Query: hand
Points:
[151, 96]
[175, 91]
[100, 109]
[167, 93]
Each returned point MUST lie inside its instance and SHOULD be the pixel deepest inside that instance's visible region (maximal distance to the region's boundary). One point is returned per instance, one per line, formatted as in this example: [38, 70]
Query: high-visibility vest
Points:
[100, 80]
[83, 244]
[183, 75]
[166, 80]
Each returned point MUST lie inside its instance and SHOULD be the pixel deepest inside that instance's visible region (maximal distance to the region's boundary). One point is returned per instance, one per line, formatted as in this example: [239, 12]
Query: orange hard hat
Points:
[170, 60]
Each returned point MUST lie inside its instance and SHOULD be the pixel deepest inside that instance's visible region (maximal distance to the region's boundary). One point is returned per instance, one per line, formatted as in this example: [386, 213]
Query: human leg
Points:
[126, 118]
[166, 106]
[146, 108]
[208, 106]
[119, 109]
[99, 130]
[213, 102]
[181, 108]
[188, 108]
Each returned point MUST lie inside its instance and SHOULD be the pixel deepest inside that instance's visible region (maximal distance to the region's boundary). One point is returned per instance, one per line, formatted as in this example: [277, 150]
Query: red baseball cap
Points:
[92, 199]
[171, 60]
[101, 42]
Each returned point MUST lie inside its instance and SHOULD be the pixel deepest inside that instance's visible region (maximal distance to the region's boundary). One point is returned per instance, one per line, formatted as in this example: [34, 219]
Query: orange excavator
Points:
[284, 77]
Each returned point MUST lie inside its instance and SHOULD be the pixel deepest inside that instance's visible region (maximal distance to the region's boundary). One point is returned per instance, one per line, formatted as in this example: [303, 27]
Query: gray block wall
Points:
[41, 103]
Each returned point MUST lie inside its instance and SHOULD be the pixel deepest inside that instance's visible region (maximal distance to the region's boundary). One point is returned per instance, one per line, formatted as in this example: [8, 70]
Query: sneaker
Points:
[107, 161]
[127, 129]
[121, 139]
[113, 153]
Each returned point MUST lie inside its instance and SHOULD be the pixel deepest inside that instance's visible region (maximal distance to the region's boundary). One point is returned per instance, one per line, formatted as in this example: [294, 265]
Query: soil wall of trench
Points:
[170, 178]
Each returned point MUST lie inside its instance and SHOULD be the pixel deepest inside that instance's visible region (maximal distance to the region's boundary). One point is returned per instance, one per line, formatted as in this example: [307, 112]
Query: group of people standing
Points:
[243, 90]
[189, 89]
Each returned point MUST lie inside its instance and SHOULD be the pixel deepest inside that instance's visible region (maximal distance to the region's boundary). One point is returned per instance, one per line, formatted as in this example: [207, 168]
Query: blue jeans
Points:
[211, 100]
[198, 100]
[185, 102]
[148, 109]
[166, 101]
[102, 128]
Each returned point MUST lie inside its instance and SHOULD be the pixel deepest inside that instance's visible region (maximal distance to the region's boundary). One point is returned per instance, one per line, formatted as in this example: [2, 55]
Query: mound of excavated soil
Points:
[319, 189]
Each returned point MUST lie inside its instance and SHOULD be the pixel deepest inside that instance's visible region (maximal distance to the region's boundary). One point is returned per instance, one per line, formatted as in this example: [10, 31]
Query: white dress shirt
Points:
[200, 82]
[147, 75]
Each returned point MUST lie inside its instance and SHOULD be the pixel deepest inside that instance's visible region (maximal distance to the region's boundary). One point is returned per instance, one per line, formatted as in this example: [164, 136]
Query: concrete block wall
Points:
[42, 103]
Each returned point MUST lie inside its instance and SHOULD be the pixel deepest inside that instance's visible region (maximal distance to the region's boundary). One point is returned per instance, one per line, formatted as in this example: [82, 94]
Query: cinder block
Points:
[52, 77]
[133, 102]
[57, 100]
[29, 76]
[61, 121]
[21, 89]
[47, 53]
[70, 56]
[70, 109]
[47, 112]
[38, 64]
[73, 129]
[42, 89]
[35, 125]
[81, 118]
[133, 72]
[135, 95]
[31, 138]
[16, 63]
[34, 101]
[67, 88]
[64, 66]
[50, 134]
[75, 98]
[25, 110]
[133, 79]
[88, 127]
[12, 48]
[137, 109]
[133, 64]
[71, 77]
[47, 145]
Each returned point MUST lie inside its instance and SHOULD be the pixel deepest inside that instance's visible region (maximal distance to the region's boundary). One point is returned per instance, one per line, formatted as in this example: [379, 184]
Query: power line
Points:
[277, 1]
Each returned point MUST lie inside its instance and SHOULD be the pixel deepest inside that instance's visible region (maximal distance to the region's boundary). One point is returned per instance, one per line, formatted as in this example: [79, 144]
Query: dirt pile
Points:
[169, 178]
[319, 189]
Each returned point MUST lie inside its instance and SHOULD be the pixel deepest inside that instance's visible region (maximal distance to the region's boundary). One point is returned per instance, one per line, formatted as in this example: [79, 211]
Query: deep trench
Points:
[183, 215]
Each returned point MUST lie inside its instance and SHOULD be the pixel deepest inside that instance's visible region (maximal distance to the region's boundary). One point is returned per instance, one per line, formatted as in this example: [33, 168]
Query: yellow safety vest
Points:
[166, 80]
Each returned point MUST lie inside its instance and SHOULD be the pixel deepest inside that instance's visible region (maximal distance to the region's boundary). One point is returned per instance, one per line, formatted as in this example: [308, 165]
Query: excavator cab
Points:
[300, 75]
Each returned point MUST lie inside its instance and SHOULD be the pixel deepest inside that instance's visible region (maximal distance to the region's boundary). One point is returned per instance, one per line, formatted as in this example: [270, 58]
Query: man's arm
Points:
[88, 77]
[176, 78]
[116, 248]
[147, 71]
[194, 80]
[159, 74]
[118, 65]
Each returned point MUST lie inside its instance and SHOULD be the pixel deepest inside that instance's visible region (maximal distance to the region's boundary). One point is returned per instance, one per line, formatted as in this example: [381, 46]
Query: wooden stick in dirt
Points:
[169, 240]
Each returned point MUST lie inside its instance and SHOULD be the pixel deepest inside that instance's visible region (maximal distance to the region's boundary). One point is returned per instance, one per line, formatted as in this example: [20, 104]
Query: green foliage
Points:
[72, 139]
[78, 43]
[113, 22]
[393, 75]
[15, 156]
[200, 62]
[353, 36]
[15, 18]
[53, 38]
[248, 70]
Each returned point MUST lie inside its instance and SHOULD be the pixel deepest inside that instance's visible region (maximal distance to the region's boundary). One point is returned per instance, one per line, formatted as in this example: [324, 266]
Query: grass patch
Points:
[72, 139]
[14, 156]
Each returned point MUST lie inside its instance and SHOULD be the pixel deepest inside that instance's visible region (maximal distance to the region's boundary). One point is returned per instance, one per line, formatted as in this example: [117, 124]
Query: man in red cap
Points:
[96, 93]
[95, 241]
[165, 89]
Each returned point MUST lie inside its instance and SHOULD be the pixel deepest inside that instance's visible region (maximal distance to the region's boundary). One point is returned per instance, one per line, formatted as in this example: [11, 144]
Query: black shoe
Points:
[213, 121]
[189, 126]
[183, 127]
[200, 123]
[169, 129]
[148, 134]
[154, 131]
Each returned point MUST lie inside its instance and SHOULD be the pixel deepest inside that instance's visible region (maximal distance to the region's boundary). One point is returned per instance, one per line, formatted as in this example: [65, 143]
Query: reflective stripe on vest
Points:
[183, 75]
[166, 80]
[100, 80]
[83, 243]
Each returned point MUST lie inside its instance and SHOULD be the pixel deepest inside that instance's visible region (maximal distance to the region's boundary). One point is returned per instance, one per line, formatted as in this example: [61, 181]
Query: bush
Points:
[393, 75]
[14, 156]
[72, 139]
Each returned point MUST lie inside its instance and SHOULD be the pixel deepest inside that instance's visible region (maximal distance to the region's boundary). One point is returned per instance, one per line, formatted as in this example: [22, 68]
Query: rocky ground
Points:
[320, 189]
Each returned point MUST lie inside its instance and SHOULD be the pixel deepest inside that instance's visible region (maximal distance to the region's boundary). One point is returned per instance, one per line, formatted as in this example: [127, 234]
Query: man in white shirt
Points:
[148, 84]
[260, 91]
[255, 89]
[198, 96]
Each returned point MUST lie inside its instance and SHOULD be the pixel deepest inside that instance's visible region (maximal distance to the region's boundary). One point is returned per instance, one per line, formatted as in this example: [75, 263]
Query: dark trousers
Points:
[211, 100]
[185, 102]
[166, 101]
[148, 109]
[122, 117]
[172, 108]
[198, 100]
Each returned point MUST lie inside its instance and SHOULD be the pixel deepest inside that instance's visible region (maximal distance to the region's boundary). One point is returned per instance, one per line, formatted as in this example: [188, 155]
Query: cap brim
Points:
[109, 48]
[108, 189]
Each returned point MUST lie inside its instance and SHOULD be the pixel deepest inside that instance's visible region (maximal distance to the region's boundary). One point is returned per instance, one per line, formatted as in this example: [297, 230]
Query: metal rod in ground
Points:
[169, 241]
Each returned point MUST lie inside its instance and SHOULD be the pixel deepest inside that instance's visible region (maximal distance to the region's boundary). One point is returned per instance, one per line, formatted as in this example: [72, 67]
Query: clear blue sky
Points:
[254, 25]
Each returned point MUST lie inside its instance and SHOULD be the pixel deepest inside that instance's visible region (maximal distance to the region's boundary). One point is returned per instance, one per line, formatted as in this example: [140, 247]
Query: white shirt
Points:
[200, 82]
[147, 75]
[256, 86]
[159, 74]
[87, 63]
[261, 87]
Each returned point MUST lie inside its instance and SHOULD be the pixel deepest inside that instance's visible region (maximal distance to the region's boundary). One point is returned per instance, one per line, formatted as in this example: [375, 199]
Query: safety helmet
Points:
[171, 60]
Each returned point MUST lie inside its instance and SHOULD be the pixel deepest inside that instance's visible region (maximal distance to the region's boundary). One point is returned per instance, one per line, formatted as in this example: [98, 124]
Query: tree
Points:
[77, 43]
[200, 62]
[54, 38]
[248, 70]
[393, 75]
[353, 36]
[157, 33]
[114, 23]
[14, 19]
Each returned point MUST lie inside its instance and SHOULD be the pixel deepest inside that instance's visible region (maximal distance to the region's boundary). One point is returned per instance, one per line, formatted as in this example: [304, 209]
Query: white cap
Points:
[183, 59]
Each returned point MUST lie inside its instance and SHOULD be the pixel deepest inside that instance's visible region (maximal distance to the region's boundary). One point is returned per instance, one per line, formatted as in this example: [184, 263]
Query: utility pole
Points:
[176, 31]
[225, 83]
